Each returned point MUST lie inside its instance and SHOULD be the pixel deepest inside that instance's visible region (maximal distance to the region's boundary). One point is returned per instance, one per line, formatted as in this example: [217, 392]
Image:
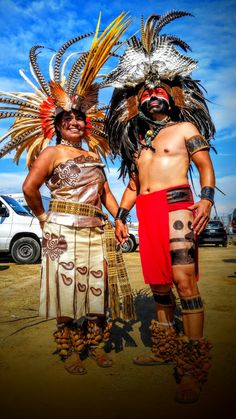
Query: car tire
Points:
[224, 244]
[128, 246]
[25, 250]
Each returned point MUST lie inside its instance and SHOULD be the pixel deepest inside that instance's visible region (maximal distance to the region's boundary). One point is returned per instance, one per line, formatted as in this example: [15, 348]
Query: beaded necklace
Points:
[76, 144]
[151, 134]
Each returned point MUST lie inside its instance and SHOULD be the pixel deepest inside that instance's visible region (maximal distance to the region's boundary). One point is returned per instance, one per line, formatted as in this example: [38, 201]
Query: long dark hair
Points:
[58, 120]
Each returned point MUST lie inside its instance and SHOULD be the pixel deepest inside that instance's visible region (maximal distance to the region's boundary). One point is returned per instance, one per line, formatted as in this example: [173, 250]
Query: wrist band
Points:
[207, 192]
[42, 217]
[122, 215]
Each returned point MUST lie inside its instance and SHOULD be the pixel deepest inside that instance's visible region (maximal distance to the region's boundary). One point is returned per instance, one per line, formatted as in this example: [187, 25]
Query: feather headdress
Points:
[34, 113]
[150, 61]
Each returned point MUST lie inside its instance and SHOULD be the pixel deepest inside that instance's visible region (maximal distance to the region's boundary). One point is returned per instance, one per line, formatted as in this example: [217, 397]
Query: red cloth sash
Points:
[154, 243]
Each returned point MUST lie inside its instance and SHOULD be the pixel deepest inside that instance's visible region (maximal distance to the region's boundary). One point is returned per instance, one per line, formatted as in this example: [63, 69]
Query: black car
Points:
[214, 233]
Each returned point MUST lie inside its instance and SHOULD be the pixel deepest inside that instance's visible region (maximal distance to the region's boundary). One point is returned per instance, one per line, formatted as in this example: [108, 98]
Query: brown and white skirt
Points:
[73, 280]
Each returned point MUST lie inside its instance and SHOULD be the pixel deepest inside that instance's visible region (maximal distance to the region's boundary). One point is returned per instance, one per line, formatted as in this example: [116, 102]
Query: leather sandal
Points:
[101, 358]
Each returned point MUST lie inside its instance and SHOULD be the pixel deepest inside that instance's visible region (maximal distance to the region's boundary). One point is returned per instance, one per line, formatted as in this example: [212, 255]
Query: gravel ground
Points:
[35, 385]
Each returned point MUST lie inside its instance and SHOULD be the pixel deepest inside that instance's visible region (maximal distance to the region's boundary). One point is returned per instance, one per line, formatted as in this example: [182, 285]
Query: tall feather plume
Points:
[169, 17]
[40, 77]
[74, 72]
[60, 53]
[149, 32]
[174, 40]
[100, 50]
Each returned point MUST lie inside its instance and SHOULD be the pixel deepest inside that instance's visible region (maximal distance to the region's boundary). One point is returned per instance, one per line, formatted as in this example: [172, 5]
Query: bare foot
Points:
[74, 365]
[100, 356]
[150, 360]
[188, 390]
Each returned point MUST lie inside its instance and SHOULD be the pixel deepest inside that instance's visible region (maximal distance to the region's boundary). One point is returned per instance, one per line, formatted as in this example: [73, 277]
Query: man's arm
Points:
[203, 163]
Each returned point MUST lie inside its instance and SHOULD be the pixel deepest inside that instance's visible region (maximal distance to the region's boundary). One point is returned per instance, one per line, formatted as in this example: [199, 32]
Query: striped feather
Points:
[64, 47]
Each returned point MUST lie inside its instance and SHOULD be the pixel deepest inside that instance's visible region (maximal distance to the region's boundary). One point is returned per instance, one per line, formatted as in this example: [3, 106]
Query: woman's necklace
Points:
[76, 144]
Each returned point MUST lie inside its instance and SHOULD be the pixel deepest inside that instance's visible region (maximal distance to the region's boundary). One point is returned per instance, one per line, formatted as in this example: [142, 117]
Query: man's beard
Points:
[161, 108]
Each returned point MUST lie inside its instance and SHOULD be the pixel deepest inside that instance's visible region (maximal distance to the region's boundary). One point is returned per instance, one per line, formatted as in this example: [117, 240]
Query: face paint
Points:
[158, 92]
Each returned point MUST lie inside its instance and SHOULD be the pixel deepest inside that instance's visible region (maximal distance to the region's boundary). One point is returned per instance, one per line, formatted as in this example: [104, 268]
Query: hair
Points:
[58, 120]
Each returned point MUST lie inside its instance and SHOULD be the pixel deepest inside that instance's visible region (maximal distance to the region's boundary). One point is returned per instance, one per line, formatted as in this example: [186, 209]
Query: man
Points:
[161, 117]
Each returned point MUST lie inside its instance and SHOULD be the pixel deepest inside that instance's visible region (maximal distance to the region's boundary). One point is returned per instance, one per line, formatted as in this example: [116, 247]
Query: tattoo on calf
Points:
[183, 256]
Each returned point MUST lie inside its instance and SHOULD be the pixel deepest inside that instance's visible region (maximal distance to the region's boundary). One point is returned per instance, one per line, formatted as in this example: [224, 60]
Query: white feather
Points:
[66, 61]
[33, 74]
[51, 69]
[31, 83]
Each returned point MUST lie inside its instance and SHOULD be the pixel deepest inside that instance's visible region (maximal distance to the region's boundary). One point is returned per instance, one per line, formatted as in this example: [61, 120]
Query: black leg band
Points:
[167, 299]
[191, 304]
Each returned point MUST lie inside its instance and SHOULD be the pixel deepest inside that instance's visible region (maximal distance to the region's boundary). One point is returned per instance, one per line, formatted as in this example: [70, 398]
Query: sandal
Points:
[188, 390]
[74, 365]
[100, 356]
[150, 360]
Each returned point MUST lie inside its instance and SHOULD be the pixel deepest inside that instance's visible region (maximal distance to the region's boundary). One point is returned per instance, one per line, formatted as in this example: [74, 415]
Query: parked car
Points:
[20, 232]
[132, 242]
[214, 233]
[233, 222]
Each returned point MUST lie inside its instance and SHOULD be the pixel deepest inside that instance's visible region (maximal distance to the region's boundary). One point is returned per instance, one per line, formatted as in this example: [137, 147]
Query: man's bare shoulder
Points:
[188, 129]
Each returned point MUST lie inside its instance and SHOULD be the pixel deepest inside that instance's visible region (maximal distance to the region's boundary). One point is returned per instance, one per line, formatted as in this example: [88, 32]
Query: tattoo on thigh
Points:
[178, 225]
[183, 256]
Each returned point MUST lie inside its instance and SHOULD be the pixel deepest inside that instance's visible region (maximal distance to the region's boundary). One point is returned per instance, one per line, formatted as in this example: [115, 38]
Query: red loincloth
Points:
[154, 244]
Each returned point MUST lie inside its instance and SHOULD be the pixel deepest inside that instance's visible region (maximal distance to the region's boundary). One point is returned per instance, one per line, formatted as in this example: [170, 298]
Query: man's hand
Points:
[202, 210]
[121, 232]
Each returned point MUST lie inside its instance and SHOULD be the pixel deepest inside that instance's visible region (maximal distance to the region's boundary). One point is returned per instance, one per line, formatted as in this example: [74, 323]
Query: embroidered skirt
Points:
[73, 280]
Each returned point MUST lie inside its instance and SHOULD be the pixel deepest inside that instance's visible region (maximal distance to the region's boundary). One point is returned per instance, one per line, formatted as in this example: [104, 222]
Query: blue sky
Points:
[210, 33]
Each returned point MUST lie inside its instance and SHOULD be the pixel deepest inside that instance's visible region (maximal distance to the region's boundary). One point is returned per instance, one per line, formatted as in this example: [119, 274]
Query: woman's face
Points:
[71, 126]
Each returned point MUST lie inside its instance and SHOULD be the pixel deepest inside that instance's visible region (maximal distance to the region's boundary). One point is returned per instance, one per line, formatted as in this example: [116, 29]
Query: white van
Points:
[20, 231]
[19, 197]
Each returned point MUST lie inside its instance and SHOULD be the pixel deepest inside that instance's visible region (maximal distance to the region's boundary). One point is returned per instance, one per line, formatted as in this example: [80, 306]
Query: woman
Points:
[82, 273]
[73, 245]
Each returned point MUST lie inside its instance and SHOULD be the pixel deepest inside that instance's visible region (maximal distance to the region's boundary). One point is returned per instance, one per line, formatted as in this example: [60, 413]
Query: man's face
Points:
[154, 101]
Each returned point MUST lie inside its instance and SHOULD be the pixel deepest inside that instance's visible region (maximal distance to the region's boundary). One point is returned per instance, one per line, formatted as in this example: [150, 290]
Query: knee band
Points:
[164, 299]
[192, 304]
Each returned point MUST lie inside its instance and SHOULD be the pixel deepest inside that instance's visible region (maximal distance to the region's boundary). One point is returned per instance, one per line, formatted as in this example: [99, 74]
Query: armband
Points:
[207, 192]
[122, 215]
[196, 143]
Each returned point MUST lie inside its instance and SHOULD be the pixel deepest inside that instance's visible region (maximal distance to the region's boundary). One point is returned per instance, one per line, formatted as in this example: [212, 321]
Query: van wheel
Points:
[130, 245]
[25, 250]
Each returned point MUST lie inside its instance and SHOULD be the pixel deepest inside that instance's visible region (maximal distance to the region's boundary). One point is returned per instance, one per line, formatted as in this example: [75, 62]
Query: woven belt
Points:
[179, 195]
[115, 264]
[76, 208]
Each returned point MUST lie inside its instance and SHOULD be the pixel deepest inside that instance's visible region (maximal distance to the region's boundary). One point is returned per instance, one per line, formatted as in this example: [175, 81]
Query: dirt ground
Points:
[35, 385]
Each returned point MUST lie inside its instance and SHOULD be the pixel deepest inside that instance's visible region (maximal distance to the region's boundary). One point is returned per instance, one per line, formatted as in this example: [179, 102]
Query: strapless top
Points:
[77, 180]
